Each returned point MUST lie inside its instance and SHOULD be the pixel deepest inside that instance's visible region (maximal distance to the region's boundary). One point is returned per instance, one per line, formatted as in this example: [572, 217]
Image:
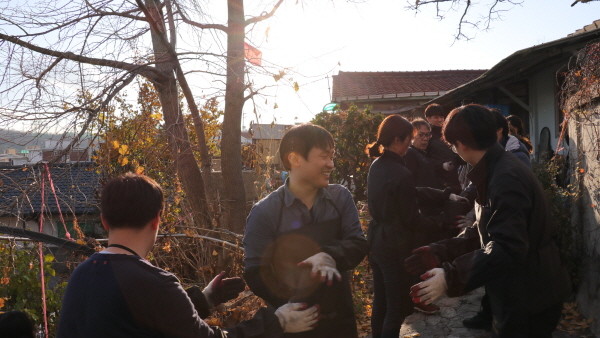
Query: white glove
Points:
[448, 165]
[433, 287]
[463, 222]
[322, 265]
[294, 318]
[458, 198]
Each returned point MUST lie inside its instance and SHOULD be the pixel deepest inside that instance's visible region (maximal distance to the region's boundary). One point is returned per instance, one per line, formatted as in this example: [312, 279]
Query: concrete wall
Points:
[585, 162]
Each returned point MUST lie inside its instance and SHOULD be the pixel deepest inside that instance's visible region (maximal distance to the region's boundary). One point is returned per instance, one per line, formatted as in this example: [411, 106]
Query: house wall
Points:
[49, 227]
[54, 227]
[542, 98]
[389, 106]
[584, 154]
[268, 150]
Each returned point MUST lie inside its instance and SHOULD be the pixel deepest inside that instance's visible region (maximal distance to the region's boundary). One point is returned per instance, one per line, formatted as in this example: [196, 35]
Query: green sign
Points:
[330, 106]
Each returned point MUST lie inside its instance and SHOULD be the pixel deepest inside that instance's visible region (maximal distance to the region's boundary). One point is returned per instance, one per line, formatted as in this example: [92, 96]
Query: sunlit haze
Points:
[316, 39]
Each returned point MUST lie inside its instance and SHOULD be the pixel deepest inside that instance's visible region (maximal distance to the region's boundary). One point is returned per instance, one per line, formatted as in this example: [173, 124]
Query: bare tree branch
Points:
[198, 24]
[145, 71]
[264, 15]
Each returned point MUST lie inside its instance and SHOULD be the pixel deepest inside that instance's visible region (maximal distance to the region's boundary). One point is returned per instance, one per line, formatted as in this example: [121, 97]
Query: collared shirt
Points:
[274, 215]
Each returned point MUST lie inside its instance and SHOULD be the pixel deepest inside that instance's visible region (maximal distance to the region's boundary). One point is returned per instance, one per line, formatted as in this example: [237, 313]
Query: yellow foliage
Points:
[115, 144]
[139, 170]
[123, 149]
[124, 161]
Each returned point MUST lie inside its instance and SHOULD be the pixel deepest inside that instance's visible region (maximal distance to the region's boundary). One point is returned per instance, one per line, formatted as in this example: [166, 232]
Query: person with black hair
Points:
[417, 160]
[515, 128]
[16, 324]
[517, 259]
[397, 225]
[302, 240]
[510, 142]
[118, 293]
[445, 161]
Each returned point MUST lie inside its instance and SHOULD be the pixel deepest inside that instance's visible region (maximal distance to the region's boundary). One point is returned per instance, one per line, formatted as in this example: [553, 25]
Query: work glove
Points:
[421, 260]
[448, 166]
[295, 317]
[220, 289]
[323, 265]
[431, 288]
[458, 198]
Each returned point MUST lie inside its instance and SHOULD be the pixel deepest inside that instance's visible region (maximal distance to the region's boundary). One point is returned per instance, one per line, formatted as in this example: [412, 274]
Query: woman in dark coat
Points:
[396, 226]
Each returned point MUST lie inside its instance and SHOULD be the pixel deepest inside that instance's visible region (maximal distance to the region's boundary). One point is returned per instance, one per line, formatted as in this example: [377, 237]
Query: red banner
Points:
[252, 54]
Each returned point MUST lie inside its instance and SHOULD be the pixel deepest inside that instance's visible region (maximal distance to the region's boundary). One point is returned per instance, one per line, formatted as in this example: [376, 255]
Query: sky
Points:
[315, 39]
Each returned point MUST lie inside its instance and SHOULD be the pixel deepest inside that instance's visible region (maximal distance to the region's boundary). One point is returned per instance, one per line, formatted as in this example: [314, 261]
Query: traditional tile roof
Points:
[384, 85]
[75, 184]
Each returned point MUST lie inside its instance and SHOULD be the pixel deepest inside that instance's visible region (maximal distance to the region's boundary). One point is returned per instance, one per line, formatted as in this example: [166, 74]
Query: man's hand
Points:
[463, 222]
[421, 260]
[433, 287]
[458, 198]
[323, 265]
[295, 317]
[220, 289]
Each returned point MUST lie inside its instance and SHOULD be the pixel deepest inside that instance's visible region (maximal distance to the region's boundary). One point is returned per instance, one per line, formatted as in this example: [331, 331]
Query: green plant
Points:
[352, 130]
[20, 284]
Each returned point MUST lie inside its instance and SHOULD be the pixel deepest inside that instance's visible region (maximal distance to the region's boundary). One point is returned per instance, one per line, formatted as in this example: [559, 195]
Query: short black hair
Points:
[500, 121]
[130, 201]
[301, 139]
[419, 122]
[435, 109]
[473, 125]
[16, 324]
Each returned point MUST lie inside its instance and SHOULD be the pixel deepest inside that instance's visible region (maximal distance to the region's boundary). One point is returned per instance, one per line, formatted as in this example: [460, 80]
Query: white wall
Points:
[542, 102]
[49, 227]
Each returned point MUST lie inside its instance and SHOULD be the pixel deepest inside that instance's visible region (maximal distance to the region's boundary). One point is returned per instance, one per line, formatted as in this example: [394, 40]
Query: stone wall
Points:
[584, 151]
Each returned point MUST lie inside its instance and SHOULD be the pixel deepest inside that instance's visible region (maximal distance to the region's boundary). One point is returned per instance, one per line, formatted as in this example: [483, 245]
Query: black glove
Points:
[220, 289]
[422, 259]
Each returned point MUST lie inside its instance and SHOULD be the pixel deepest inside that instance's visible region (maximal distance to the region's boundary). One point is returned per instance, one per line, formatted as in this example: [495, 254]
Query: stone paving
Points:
[448, 323]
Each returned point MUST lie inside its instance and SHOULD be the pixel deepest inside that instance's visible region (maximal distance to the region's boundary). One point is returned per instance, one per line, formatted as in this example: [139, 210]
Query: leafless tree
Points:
[53, 51]
[474, 15]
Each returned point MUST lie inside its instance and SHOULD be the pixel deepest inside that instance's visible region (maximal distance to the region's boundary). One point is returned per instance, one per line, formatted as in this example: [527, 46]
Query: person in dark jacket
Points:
[518, 260]
[117, 293]
[510, 142]
[417, 160]
[396, 224]
[515, 128]
[302, 240]
[445, 161]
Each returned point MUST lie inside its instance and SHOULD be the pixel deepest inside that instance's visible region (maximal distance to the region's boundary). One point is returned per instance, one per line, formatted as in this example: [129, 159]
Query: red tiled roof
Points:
[354, 84]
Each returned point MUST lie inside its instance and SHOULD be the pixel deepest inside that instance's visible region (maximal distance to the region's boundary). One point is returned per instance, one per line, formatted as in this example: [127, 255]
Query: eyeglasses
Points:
[453, 147]
[425, 135]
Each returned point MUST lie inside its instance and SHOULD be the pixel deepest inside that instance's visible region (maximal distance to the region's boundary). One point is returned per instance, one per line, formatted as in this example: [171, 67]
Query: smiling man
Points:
[302, 240]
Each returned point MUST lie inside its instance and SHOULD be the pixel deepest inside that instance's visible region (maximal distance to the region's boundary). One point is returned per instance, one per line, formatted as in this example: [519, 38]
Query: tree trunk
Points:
[185, 162]
[235, 194]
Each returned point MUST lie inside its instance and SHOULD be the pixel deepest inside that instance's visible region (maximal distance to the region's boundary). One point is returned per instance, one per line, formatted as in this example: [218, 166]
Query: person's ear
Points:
[104, 224]
[155, 222]
[294, 159]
